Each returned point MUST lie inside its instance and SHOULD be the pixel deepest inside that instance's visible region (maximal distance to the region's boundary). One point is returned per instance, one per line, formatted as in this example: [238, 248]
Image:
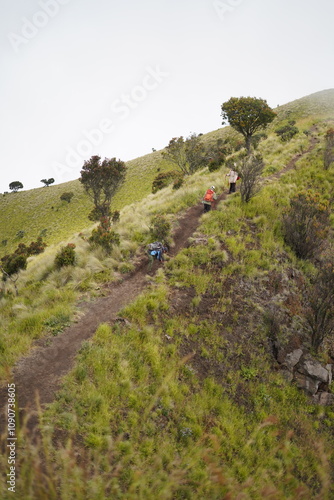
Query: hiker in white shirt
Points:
[233, 177]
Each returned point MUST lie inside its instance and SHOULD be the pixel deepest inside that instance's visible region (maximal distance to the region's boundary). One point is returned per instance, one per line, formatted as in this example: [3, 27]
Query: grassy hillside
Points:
[184, 399]
[41, 209]
[320, 104]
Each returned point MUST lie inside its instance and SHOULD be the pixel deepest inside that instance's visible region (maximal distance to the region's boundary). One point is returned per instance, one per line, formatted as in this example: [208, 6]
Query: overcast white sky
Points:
[118, 78]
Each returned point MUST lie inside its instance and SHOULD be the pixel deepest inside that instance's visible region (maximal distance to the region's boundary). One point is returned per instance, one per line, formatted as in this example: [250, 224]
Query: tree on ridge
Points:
[15, 186]
[247, 115]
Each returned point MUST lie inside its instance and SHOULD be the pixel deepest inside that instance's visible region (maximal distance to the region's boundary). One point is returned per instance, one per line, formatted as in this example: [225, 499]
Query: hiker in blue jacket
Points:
[156, 250]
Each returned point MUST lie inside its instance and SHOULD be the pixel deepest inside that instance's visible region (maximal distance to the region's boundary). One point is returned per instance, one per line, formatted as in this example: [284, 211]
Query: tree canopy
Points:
[101, 179]
[187, 154]
[15, 186]
[247, 115]
[47, 182]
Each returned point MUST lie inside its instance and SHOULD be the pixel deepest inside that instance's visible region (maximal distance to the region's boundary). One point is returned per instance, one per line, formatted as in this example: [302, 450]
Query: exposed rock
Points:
[330, 374]
[308, 374]
[287, 374]
[293, 358]
[284, 352]
[313, 368]
[324, 398]
[308, 384]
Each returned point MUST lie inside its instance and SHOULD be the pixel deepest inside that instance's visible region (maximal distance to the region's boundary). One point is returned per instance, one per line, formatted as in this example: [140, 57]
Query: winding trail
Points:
[41, 371]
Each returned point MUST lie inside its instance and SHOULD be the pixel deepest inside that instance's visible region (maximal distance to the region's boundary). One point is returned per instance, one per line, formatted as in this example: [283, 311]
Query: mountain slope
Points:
[185, 394]
[41, 209]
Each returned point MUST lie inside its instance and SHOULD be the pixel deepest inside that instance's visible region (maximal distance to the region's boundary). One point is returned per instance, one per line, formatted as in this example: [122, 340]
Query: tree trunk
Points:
[248, 144]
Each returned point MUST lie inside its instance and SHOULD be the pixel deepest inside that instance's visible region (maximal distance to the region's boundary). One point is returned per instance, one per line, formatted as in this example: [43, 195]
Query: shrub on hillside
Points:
[329, 148]
[160, 228]
[67, 196]
[287, 132]
[320, 304]
[115, 216]
[217, 153]
[95, 214]
[103, 235]
[306, 224]
[164, 179]
[178, 182]
[65, 256]
[12, 264]
[21, 249]
[36, 247]
[216, 162]
[187, 154]
[20, 233]
[250, 170]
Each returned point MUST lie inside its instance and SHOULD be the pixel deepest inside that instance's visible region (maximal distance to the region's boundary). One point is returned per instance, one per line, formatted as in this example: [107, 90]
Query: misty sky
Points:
[84, 77]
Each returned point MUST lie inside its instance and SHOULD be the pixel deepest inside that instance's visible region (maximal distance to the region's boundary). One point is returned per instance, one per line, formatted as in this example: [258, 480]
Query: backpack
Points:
[208, 195]
[157, 245]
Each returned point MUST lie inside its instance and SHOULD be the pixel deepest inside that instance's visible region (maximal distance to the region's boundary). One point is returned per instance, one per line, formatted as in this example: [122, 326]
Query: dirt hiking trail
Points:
[41, 371]
[52, 357]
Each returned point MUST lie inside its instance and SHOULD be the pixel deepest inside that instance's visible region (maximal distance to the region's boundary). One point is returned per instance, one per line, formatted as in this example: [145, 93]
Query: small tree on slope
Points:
[15, 186]
[101, 179]
[47, 182]
[188, 155]
[247, 115]
[250, 172]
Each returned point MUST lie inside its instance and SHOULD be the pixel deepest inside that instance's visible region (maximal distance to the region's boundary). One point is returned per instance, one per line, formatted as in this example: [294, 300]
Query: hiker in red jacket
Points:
[209, 199]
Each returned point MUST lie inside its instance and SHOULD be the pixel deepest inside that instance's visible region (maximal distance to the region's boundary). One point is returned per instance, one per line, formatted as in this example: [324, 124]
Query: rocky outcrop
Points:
[308, 374]
[324, 398]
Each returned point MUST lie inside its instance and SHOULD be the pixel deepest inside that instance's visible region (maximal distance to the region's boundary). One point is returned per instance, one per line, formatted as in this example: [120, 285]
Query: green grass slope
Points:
[184, 399]
[41, 210]
[38, 209]
[320, 104]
